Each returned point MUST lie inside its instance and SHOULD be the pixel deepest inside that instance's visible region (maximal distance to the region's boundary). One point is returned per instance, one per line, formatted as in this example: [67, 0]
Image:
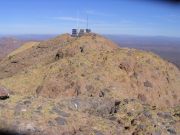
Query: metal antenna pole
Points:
[87, 21]
[78, 20]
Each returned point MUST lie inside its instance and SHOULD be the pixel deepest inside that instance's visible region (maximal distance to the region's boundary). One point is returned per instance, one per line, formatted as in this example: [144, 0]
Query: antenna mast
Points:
[77, 20]
[87, 21]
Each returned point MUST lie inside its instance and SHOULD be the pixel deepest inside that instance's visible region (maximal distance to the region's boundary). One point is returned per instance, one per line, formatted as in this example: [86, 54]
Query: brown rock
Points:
[142, 97]
[4, 94]
[59, 55]
[124, 66]
[148, 84]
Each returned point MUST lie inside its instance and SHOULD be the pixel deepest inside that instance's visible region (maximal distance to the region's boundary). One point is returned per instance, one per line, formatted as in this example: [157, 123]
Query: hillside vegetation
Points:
[88, 85]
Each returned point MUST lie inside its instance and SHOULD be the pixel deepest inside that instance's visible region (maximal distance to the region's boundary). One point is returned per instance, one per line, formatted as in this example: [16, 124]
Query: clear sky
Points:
[132, 17]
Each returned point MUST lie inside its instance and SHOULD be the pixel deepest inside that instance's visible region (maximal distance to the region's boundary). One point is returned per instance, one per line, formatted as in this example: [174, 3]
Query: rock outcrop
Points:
[4, 94]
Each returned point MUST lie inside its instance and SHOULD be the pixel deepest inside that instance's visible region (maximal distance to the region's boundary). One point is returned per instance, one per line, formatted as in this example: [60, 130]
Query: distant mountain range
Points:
[12, 42]
[31, 36]
[8, 44]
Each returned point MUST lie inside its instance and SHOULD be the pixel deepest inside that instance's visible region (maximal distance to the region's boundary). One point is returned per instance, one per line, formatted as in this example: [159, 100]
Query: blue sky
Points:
[131, 17]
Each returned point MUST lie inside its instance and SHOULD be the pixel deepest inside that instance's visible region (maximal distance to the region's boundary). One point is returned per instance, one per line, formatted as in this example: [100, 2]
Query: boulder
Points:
[61, 121]
[4, 93]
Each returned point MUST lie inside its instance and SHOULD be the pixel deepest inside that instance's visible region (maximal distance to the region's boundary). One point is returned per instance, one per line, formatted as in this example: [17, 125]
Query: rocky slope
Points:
[88, 85]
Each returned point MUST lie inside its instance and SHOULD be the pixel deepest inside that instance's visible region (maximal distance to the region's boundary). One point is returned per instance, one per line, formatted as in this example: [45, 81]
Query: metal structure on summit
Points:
[80, 32]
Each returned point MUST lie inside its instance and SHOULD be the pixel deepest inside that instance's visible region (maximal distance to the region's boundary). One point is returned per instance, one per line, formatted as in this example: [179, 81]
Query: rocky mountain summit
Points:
[88, 86]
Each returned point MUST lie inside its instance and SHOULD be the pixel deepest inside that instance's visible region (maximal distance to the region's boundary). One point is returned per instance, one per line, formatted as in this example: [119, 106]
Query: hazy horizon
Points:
[69, 32]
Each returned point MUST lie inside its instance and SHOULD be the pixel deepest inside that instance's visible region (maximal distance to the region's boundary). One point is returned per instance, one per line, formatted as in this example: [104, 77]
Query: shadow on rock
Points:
[8, 132]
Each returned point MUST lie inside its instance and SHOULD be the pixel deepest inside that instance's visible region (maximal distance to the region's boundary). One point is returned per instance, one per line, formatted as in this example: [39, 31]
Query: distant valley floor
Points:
[170, 55]
[166, 47]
